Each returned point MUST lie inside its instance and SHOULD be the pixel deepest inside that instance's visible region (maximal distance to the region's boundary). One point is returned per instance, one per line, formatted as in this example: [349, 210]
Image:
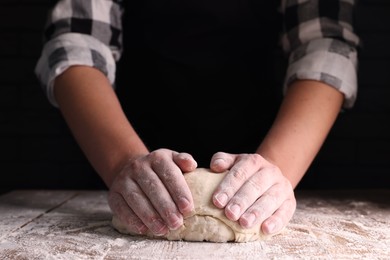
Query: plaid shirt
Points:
[318, 38]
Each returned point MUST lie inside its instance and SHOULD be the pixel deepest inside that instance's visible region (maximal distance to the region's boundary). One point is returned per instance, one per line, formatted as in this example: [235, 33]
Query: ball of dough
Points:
[206, 222]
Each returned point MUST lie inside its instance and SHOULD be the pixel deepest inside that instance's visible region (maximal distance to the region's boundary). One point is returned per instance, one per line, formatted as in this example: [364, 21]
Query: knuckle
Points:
[252, 158]
[240, 174]
[273, 199]
[256, 184]
[255, 158]
[156, 158]
[132, 198]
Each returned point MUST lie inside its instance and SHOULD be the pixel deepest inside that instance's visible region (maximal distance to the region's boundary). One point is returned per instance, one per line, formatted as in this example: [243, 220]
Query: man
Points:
[196, 88]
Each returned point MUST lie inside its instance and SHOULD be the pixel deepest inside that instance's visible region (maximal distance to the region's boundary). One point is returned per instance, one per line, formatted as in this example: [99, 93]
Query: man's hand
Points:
[150, 193]
[254, 191]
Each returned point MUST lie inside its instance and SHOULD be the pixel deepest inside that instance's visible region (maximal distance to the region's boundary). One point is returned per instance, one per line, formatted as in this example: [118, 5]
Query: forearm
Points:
[95, 117]
[305, 118]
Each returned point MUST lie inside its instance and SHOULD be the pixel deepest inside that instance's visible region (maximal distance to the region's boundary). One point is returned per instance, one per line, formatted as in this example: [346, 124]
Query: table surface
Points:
[67, 224]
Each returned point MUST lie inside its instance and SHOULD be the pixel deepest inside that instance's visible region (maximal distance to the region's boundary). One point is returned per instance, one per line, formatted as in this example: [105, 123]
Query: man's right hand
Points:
[150, 192]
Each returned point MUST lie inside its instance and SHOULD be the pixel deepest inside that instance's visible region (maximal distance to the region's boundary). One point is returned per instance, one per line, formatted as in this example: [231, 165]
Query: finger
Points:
[185, 162]
[266, 205]
[152, 196]
[175, 190]
[235, 178]
[249, 192]
[221, 162]
[127, 217]
[280, 218]
[140, 204]
[262, 209]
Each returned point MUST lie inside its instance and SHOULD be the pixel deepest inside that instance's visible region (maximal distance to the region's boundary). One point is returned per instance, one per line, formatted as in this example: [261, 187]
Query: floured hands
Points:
[253, 191]
[150, 193]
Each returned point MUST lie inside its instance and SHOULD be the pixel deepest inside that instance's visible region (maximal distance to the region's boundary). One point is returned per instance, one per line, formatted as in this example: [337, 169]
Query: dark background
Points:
[37, 150]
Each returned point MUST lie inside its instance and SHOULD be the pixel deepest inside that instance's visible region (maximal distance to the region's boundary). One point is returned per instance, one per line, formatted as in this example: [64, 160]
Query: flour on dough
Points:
[207, 222]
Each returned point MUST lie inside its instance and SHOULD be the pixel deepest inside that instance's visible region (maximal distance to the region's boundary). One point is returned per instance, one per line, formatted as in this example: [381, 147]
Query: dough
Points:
[207, 222]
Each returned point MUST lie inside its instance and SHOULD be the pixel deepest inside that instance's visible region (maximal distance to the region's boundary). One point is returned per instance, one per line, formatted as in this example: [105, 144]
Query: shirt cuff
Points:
[71, 49]
[330, 61]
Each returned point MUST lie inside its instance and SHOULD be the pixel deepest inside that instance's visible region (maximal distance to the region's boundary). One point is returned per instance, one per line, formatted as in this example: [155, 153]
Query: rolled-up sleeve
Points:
[321, 44]
[80, 32]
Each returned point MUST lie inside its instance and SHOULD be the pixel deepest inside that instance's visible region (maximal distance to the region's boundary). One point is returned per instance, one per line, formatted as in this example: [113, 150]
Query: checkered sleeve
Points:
[321, 45]
[80, 32]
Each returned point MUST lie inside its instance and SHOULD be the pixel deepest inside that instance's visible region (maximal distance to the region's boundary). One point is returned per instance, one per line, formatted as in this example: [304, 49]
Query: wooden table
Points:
[38, 224]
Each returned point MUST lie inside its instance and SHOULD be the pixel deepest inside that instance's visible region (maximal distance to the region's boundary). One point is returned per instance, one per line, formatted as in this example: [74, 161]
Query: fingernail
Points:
[270, 228]
[158, 228]
[175, 220]
[222, 199]
[248, 220]
[184, 206]
[219, 161]
[235, 210]
[141, 229]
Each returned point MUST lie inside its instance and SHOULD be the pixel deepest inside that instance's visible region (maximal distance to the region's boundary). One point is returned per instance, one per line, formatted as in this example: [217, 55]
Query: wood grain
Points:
[77, 225]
